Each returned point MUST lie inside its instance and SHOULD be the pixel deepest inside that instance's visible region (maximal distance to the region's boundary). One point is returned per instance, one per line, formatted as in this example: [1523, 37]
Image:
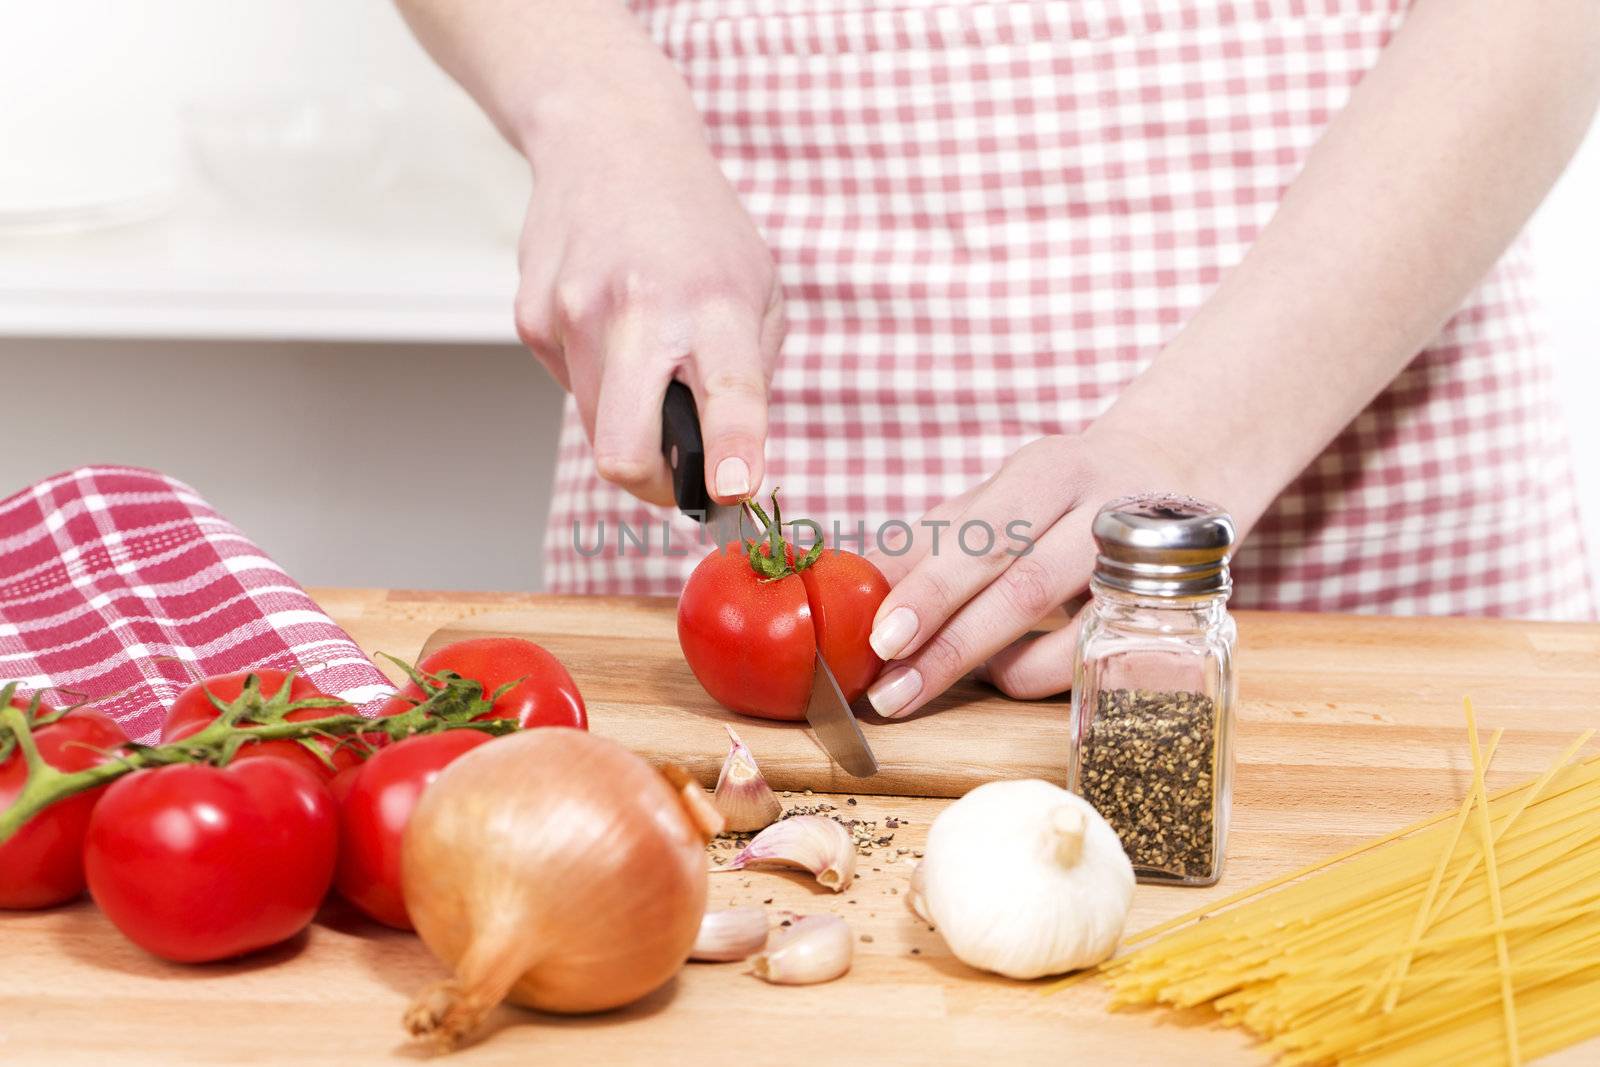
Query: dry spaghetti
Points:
[1471, 937]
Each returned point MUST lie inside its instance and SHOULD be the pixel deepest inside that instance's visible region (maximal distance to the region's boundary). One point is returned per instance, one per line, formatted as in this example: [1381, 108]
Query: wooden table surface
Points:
[1347, 728]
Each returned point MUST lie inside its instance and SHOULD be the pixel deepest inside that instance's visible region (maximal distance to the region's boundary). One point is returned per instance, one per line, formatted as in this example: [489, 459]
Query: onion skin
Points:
[553, 869]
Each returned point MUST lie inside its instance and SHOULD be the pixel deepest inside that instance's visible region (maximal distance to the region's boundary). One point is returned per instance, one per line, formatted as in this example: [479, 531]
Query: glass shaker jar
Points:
[1153, 686]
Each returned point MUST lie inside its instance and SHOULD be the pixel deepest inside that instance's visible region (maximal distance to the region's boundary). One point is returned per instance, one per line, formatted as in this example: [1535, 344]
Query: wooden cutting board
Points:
[640, 692]
[623, 652]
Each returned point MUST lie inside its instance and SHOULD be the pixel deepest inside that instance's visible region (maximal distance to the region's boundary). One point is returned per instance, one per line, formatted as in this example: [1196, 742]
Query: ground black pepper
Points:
[1147, 764]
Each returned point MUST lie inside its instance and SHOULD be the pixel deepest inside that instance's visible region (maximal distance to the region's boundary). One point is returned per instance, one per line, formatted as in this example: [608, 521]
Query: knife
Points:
[828, 713]
[835, 724]
[685, 454]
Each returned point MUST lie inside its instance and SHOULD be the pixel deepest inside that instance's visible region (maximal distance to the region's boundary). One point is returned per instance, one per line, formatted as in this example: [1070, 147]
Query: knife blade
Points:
[835, 724]
[684, 451]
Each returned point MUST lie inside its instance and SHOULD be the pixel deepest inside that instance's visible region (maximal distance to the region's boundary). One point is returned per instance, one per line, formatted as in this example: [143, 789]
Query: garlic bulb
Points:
[916, 897]
[1024, 879]
[814, 948]
[742, 795]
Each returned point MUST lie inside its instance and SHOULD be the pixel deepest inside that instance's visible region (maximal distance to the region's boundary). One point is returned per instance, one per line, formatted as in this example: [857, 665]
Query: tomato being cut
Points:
[197, 863]
[41, 865]
[750, 627]
[844, 591]
[543, 694]
[375, 803]
[194, 710]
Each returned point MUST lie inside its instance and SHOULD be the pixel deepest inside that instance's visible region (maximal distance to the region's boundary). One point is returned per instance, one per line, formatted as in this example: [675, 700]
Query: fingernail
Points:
[891, 635]
[733, 477]
[894, 691]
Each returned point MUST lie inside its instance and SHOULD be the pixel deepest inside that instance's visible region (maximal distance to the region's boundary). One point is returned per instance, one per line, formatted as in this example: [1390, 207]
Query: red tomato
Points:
[545, 696]
[752, 642]
[196, 863]
[339, 784]
[42, 864]
[193, 711]
[844, 591]
[376, 804]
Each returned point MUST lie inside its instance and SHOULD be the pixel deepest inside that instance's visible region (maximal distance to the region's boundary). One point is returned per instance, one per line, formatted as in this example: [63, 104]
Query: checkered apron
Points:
[989, 216]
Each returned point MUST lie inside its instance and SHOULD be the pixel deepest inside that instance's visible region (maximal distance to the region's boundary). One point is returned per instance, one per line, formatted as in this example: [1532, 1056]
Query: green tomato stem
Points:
[44, 784]
[775, 563]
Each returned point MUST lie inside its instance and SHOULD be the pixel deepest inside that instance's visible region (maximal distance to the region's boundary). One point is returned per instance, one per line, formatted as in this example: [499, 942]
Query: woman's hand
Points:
[955, 608]
[639, 265]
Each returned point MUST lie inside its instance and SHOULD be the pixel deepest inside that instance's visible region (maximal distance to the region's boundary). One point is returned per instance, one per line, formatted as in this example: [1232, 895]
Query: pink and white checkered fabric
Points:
[123, 584]
[990, 215]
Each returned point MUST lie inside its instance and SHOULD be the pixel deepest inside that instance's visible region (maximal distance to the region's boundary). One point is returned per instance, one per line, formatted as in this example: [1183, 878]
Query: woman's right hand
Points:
[639, 265]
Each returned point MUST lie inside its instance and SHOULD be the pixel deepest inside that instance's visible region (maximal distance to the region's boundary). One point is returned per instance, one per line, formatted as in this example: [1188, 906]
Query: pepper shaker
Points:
[1153, 685]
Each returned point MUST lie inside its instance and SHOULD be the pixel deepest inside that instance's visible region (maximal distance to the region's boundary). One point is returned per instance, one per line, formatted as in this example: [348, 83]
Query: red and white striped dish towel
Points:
[123, 585]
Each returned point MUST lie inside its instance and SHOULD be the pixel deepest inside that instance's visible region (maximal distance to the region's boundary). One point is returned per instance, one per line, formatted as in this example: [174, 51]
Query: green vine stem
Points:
[452, 706]
[451, 702]
[36, 713]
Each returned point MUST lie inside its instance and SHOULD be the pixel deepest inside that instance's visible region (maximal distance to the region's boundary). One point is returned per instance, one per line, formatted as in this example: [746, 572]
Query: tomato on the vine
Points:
[375, 803]
[41, 865]
[750, 626]
[543, 693]
[194, 710]
[196, 863]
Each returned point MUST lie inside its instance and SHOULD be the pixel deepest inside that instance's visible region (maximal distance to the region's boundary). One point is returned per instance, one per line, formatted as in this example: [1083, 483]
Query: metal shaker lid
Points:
[1163, 545]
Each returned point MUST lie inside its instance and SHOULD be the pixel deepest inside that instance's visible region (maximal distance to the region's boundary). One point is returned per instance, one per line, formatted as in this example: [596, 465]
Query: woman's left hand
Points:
[963, 600]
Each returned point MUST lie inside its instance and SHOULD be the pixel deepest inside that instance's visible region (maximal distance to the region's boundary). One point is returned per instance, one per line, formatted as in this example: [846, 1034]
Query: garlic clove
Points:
[742, 794]
[726, 936]
[817, 948]
[819, 845]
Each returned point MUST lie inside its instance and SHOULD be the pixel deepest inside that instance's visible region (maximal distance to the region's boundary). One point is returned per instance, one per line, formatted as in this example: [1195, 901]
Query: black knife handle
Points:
[684, 451]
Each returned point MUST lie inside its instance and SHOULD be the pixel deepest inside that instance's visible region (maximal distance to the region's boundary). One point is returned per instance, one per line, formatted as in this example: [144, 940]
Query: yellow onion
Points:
[556, 870]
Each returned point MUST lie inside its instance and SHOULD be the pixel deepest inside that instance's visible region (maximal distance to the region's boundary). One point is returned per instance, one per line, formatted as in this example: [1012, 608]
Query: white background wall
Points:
[417, 465]
[406, 465]
[382, 465]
